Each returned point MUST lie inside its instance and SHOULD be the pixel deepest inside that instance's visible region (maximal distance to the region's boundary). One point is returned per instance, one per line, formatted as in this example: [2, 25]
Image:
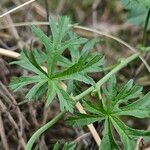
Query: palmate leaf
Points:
[89, 62]
[115, 96]
[72, 42]
[122, 95]
[47, 82]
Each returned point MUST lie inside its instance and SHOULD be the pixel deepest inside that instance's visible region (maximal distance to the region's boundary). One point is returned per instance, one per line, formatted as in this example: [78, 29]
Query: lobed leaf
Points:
[66, 102]
[19, 82]
[83, 119]
[51, 93]
[44, 39]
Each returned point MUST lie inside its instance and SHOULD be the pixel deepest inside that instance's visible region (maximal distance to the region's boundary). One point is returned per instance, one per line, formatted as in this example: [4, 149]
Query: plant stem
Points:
[107, 76]
[36, 135]
[145, 28]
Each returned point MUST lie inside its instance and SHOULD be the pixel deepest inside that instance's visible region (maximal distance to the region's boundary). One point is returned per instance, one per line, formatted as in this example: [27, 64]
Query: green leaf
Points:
[127, 141]
[44, 84]
[74, 49]
[117, 96]
[111, 91]
[80, 67]
[117, 104]
[66, 102]
[132, 133]
[108, 141]
[95, 109]
[68, 146]
[32, 59]
[133, 109]
[40, 56]
[42, 91]
[25, 62]
[56, 146]
[35, 89]
[138, 113]
[42, 37]
[79, 77]
[142, 102]
[64, 62]
[59, 29]
[51, 93]
[19, 82]
[83, 119]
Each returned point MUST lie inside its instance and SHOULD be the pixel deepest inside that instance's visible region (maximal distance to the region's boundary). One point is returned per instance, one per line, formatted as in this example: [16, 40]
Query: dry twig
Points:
[16, 8]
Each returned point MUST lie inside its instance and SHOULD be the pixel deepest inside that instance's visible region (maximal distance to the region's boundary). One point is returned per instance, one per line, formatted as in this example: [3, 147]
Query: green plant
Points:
[77, 68]
[48, 82]
[116, 102]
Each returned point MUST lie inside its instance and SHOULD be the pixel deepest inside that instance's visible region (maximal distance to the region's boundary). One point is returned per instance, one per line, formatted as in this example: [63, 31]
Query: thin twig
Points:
[4, 108]
[138, 142]
[8, 53]
[140, 68]
[2, 134]
[81, 137]
[18, 111]
[18, 7]
[90, 126]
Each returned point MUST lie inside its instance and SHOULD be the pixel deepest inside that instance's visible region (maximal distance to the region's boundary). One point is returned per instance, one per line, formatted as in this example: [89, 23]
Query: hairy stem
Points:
[145, 28]
[37, 134]
[41, 130]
